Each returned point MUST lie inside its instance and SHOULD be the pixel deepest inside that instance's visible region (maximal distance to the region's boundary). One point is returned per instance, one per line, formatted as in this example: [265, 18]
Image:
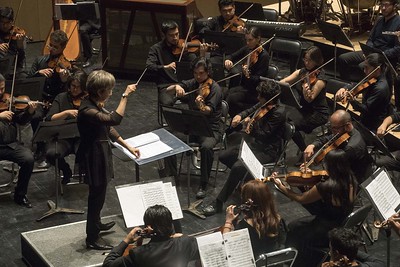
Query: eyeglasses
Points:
[385, 4]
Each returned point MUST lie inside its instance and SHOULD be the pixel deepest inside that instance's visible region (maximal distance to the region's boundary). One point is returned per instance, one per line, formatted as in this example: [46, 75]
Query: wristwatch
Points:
[124, 95]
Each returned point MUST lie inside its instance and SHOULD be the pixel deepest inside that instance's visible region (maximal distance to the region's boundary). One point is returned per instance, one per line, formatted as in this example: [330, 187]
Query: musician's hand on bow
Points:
[230, 214]
[4, 47]
[48, 72]
[309, 151]
[179, 91]
[133, 235]
[341, 93]
[228, 64]
[6, 115]
[246, 71]
[303, 169]
[171, 65]
[246, 120]
[236, 120]
[64, 74]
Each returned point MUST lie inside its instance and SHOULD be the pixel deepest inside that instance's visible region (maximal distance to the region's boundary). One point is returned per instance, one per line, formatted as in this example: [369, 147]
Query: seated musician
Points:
[354, 147]
[11, 40]
[162, 58]
[13, 151]
[252, 67]
[65, 107]
[375, 105]
[51, 67]
[314, 111]
[208, 100]
[264, 139]
[260, 217]
[166, 248]
[343, 250]
[391, 164]
[330, 201]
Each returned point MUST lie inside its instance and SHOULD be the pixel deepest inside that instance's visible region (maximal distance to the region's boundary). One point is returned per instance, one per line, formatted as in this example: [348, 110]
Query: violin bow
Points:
[184, 44]
[13, 82]
[254, 50]
[104, 63]
[244, 12]
[311, 72]
[390, 128]
[308, 163]
[15, 18]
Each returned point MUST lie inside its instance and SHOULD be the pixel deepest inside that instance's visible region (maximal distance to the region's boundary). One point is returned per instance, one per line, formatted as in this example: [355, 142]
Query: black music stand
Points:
[228, 42]
[78, 11]
[32, 87]
[188, 122]
[369, 50]
[56, 130]
[183, 71]
[335, 34]
[289, 95]
[255, 12]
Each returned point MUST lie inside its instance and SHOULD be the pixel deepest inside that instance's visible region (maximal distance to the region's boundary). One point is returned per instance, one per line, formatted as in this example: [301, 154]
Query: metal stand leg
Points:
[388, 232]
[54, 206]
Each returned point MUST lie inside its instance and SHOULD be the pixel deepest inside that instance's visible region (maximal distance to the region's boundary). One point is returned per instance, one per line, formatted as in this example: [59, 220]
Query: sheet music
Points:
[251, 162]
[212, 251]
[384, 195]
[131, 205]
[171, 197]
[143, 139]
[152, 194]
[238, 248]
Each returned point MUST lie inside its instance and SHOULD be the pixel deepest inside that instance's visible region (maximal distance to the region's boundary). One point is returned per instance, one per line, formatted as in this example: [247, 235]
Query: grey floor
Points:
[141, 117]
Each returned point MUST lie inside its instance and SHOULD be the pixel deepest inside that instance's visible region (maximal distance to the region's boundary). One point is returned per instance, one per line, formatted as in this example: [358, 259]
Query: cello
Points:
[70, 27]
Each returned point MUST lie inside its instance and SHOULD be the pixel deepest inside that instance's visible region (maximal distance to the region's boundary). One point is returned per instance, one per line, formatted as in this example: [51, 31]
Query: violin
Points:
[299, 178]
[311, 79]
[252, 59]
[261, 113]
[19, 103]
[204, 91]
[233, 24]
[17, 31]
[358, 89]
[191, 47]
[59, 63]
[332, 144]
[77, 100]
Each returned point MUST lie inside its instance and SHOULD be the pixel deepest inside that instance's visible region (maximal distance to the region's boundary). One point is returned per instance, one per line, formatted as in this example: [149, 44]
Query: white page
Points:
[173, 201]
[153, 194]
[212, 251]
[384, 195]
[143, 139]
[153, 149]
[251, 162]
[238, 248]
[132, 206]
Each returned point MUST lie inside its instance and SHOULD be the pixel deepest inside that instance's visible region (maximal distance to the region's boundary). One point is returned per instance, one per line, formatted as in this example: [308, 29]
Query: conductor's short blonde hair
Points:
[98, 82]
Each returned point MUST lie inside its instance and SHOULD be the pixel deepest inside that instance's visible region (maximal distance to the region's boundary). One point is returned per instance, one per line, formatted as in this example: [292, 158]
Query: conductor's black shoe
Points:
[23, 201]
[201, 193]
[106, 226]
[98, 244]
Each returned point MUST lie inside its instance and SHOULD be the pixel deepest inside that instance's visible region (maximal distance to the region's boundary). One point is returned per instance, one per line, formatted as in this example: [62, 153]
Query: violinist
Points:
[329, 202]
[12, 150]
[355, 147]
[265, 140]
[166, 248]
[255, 65]
[65, 107]
[260, 217]
[343, 250]
[208, 100]
[54, 84]
[11, 40]
[375, 105]
[161, 61]
[314, 110]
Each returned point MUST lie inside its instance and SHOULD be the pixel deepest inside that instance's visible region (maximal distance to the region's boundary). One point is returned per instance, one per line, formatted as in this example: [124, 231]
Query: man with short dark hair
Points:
[165, 248]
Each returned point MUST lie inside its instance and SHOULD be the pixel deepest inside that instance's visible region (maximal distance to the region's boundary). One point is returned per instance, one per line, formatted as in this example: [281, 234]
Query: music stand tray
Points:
[289, 96]
[254, 13]
[228, 42]
[188, 122]
[369, 50]
[56, 130]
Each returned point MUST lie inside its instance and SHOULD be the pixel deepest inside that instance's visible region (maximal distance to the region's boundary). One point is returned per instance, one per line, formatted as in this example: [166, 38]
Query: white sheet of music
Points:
[212, 250]
[136, 198]
[384, 195]
[249, 159]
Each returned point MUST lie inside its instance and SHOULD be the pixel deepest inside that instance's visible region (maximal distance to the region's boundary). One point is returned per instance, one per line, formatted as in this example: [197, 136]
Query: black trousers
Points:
[239, 99]
[349, 67]
[64, 148]
[24, 158]
[96, 199]
[389, 163]
[85, 29]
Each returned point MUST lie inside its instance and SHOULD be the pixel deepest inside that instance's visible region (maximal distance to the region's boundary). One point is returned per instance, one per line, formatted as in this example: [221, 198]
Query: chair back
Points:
[333, 85]
[357, 217]
[225, 110]
[273, 71]
[270, 14]
[289, 131]
[291, 49]
[285, 256]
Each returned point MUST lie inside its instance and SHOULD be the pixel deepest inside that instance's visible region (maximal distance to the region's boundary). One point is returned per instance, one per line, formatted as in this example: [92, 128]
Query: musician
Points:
[355, 147]
[65, 107]
[314, 110]
[330, 201]
[255, 65]
[17, 43]
[165, 248]
[94, 152]
[219, 23]
[260, 217]
[348, 63]
[207, 100]
[12, 150]
[54, 84]
[161, 61]
[391, 164]
[265, 140]
[375, 105]
[343, 249]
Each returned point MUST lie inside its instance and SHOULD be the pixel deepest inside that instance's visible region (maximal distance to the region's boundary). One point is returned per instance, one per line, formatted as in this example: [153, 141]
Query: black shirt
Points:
[8, 131]
[13, 49]
[63, 101]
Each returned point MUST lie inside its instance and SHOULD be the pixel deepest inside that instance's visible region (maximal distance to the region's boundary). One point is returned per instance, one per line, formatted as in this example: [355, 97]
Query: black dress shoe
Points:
[23, 201]
[99, 244]
[201, 193]
[106, 226]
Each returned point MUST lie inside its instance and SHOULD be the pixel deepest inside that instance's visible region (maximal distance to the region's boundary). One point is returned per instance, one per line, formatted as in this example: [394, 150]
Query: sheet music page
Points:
[143, 139]
[172, 200]
[384, 195]
[153, 149]
[238, 248]
[153, 194]
[212, 251]
[251, 162]
[131, 203]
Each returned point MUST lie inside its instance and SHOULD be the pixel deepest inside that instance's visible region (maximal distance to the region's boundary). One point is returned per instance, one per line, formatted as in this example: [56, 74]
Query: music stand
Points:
[255, 12]
[369, 50]
[335, 34]
[32, 87]
[289, 96]
[228, 42]
[79, 11]
[188, 122]
[56, 130]
[5, 64]
[183, 71]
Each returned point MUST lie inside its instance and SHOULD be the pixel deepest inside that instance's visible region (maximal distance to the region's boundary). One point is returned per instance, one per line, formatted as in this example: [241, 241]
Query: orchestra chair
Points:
[270, 14]
[95, 36]
[273, 71]
[282, 257]
[283, 50]
[13, 176]
[221, 144]
[333, 85]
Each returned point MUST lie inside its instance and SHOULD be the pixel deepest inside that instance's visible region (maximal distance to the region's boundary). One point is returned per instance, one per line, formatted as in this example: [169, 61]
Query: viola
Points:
[59, 63]
[233, 24]
[19, 103]
[299, 178]
[358, 89]
[261, 113]
[191, 47]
